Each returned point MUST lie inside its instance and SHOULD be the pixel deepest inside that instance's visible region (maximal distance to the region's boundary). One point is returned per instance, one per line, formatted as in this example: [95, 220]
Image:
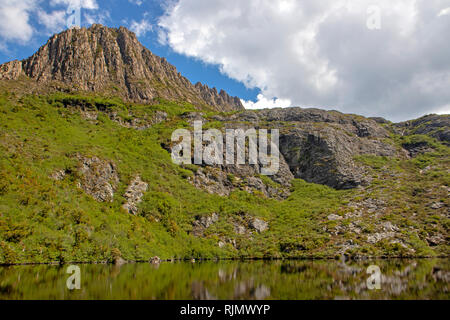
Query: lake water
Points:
[304, 279]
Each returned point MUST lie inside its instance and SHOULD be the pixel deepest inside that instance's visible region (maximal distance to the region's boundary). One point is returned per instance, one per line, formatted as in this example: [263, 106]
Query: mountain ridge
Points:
[113, 61]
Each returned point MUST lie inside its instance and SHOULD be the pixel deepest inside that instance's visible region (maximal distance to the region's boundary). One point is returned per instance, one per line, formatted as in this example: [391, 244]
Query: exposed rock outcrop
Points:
[320, 146]
[259, 225]
[90, 110]
[437, 126]
[223, 180]
[138, 123]
[315, 145]
[416, 148]
[11, 70]
[134, 194]
[98, 178]
[203, 223]
[213, 98]
[245, 224]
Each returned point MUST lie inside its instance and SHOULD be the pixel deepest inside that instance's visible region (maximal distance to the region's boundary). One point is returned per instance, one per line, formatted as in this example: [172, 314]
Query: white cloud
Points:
[321, 53]
[444, 12]
[85, 4]
[140, 28]
[54, 21]
[14, 20]
[263, 103]
[136, 2]
[99, 18]
[15, 16]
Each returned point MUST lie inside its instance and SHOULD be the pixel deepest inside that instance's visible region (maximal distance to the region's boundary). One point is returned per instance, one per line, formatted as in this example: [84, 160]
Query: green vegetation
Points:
[43, 220]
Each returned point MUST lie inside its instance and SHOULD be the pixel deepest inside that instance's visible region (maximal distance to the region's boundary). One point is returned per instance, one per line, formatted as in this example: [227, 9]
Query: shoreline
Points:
[346, 258]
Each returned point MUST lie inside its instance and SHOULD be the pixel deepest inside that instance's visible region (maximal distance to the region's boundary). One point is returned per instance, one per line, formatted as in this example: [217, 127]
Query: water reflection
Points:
[400, 279]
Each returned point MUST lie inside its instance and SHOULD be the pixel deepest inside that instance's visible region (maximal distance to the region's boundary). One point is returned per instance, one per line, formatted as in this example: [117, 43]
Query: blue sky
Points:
[115, 13]
[371, 57]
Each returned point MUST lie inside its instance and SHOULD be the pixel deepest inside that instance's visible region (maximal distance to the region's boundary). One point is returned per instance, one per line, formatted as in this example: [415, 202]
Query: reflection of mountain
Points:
[200, 292]
[242, 289]
[247, 290]
[401, 279]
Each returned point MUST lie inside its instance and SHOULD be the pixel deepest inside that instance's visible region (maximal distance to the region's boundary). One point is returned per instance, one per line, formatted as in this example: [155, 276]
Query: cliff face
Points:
[113, 61]
[215, 98]
[320, 146]
[437, 126]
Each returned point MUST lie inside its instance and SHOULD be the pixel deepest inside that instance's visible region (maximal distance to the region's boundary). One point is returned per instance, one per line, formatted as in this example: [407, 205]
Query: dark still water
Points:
[399, 279]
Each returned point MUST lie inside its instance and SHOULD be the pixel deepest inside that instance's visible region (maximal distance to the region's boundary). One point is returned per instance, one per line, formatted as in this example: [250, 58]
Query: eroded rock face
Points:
[223, 180]
[98, 178]
[214, 98]
[139, 123]
[134, 194]
[109, 60]
[259, 225]
[244, 224]
[320, 146]
[91, 112]
[11, 70]
[315, 145]
[203, 223]
[415, 149]
[322, 157]
[437, 126]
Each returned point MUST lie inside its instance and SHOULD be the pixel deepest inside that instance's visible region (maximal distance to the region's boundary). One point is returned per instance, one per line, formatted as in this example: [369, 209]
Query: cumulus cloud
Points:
[444, 12]
[85, 4]
[322, 53]
[15, 20]
[140, 28]
[100, 17]
[262, 103]
[54, 21]
[136, 2]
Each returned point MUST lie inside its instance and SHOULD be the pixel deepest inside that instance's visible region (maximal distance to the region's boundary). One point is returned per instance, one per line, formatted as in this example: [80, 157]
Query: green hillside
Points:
[48, 220]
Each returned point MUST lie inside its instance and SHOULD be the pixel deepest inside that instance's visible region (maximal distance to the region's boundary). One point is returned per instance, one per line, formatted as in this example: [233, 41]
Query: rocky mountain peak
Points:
[113, 61]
